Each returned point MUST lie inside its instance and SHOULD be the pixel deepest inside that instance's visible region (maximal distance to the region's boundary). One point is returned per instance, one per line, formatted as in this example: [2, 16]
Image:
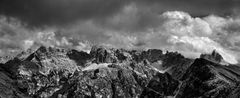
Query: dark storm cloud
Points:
[52, 12]
[42, 12]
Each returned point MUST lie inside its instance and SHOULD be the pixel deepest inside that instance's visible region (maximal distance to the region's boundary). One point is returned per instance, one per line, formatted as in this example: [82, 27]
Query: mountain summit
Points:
[214, 56]
[112, 73]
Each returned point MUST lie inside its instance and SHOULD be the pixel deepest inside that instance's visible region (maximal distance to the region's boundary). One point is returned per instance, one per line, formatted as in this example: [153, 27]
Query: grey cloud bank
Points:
[195, 27]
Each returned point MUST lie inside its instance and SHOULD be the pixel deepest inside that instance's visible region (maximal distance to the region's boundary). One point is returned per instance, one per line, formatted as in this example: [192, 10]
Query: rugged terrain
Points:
[116, 73]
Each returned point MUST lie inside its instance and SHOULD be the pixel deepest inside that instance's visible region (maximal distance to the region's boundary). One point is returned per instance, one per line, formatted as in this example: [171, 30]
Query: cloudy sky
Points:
[191, 27]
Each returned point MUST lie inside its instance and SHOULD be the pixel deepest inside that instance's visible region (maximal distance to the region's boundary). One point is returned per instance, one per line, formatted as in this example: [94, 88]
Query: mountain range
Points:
[51, 72]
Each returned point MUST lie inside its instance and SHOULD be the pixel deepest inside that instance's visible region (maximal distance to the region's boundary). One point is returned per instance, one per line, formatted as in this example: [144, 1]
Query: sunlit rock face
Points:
[112, 73]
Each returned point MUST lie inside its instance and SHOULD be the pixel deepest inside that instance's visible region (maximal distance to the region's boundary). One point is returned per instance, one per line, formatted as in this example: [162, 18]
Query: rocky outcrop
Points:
[214, 57]
[176, 64]
[112, 73]
[161, 85]
[208, 79]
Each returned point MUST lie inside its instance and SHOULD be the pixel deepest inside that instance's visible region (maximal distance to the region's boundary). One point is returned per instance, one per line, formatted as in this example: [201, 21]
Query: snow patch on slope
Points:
[96, 66]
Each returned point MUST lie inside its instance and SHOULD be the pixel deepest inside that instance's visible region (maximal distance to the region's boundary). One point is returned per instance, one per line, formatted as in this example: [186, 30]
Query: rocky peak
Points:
[103, 54]
[206, 79]
[152, 55]
[214, 56]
